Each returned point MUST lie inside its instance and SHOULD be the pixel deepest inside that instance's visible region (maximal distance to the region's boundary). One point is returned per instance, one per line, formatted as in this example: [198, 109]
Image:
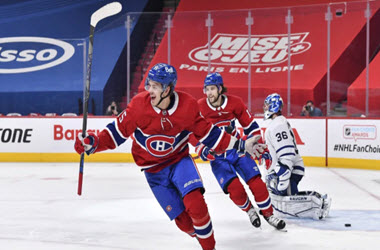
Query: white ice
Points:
[40, 210]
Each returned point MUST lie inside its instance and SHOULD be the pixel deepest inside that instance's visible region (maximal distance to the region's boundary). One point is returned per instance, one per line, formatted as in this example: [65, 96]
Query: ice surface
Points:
[40, 210]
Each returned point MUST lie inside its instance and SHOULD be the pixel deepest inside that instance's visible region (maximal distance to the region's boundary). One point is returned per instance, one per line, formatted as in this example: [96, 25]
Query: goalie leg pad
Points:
[306, 204]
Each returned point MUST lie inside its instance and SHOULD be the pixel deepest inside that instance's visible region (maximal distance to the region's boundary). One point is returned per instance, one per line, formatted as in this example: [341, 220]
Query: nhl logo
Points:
[347, 131]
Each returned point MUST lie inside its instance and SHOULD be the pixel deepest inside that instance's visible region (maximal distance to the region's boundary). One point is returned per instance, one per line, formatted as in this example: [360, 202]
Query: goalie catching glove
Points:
[89, 144]
[250, 145]
[204, 152]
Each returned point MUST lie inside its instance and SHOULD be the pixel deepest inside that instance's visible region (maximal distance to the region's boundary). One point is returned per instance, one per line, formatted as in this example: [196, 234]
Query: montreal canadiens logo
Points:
[159, 145]
[232, 49]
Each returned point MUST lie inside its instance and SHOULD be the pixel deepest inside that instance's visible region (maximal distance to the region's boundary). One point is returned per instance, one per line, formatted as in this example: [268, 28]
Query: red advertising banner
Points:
[268, 52]
[357, 92]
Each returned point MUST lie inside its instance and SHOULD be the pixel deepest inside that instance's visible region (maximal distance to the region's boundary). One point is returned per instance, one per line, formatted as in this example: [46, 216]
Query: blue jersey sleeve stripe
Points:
[115, 134]
[118, 130]
[298, 171]
[213, 137]
[287, 146]
[140, 137]
[253, 127]
[287, 154]
[204, 137]
[299, 168]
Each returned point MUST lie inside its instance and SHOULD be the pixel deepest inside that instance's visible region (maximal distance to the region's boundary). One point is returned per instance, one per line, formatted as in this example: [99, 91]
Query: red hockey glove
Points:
[204, 152]
[89, 144]
[250, 145]
[267, 158]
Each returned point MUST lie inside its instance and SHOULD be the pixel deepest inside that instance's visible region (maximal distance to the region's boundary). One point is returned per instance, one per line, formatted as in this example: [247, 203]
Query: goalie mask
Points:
[162, 73]
[272, 104]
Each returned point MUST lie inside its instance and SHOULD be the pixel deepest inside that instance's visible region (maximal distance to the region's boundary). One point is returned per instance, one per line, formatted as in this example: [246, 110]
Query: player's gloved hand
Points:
[204, 152]
[250, 145]
[267, 158]
[88, 144]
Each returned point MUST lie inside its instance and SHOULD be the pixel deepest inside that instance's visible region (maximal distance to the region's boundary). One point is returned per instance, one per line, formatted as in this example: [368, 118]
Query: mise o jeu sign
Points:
[232, 49]
[28, 54]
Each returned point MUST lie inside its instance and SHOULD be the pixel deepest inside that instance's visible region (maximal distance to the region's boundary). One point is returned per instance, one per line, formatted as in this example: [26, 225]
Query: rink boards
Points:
[332, 142]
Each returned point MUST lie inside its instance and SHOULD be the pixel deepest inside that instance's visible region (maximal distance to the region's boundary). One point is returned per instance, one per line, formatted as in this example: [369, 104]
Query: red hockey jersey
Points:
[160, 137]
[225, 116]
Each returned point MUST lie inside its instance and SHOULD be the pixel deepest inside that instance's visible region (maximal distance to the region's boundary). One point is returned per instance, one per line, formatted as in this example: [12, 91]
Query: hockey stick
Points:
[102, 13]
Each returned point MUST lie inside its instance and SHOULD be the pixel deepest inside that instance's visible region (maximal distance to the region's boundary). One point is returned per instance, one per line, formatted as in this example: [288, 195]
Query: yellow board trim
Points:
[64, 157]
[314, 161]
[127, 158]
[354, 163]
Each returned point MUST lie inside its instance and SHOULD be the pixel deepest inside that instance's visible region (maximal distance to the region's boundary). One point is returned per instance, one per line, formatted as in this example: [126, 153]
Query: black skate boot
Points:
[254, 217]
[275, 222]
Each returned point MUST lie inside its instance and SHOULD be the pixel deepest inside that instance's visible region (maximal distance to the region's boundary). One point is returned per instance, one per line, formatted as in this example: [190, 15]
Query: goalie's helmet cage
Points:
[213, 79]
[272, 104]
[162, 73]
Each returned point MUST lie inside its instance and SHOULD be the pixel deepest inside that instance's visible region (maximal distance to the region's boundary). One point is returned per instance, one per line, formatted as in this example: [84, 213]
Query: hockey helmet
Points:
[272, 104]
[162, 73]
[213, 79]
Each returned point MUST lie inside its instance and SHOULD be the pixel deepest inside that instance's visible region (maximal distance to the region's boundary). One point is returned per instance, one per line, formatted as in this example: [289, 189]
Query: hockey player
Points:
[223, 110]
[161, 120]
[287, 168]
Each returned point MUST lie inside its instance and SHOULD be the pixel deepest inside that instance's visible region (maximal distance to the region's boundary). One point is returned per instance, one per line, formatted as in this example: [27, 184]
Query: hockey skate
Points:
[275, 222]
[254, 217]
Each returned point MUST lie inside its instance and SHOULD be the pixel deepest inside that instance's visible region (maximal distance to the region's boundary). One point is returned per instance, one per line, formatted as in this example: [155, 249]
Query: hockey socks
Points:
[261, 194]
[240, 198]
[196, 208]
[238, 195]
[185, 224]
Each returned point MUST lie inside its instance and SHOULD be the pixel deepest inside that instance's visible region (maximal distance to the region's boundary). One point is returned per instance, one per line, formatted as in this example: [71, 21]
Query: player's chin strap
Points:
[168, 95]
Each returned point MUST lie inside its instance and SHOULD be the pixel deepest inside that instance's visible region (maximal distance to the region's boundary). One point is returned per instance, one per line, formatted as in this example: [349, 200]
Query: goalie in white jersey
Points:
[287, 168]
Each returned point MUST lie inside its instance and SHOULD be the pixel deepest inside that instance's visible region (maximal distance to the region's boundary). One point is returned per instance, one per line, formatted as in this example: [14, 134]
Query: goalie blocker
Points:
[306, 204]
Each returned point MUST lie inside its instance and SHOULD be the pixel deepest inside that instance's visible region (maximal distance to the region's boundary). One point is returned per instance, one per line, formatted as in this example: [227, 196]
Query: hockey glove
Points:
[89, 144]
[267, 158]
[204, 152]
[251, 146]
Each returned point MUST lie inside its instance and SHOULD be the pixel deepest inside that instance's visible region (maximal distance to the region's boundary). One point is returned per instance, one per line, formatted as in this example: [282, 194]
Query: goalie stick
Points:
[102, 13]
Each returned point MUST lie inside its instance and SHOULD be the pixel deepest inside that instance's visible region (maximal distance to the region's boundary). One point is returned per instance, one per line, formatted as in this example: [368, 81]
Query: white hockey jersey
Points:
[282, 145]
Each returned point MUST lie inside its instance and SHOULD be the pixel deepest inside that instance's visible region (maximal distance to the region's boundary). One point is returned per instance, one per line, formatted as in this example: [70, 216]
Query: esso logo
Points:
[28, 54]
[159, 145]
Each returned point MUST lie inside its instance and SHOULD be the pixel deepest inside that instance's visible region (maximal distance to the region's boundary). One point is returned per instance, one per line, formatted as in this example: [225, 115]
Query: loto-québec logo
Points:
[265, 52]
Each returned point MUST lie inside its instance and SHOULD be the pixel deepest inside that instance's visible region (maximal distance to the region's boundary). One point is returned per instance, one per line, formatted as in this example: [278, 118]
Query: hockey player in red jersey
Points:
[223, 110]
[161, 120]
